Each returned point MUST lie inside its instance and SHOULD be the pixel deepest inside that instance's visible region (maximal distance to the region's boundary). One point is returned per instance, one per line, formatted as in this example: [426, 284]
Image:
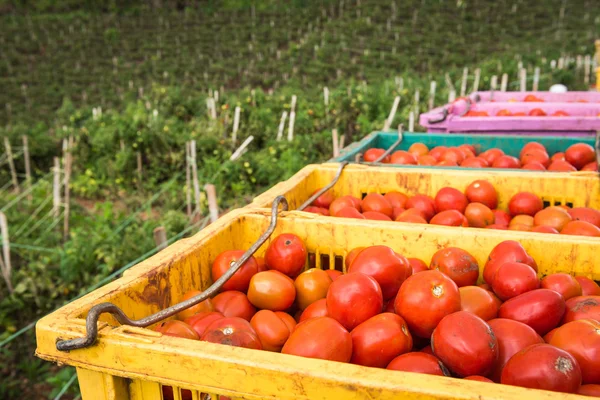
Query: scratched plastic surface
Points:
[129, 363]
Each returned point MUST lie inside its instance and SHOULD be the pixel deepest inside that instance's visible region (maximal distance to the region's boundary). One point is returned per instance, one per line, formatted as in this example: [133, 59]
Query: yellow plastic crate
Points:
[579, 189]
[133, 363]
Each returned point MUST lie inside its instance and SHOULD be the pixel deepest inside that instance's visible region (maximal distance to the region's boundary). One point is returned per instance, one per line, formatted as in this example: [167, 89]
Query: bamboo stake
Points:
[56, 188]
[195, 177]
[139, 169]
[523, 83]
[536, 79]
[281, 126]
[411, 121]
[236, 124]
[494, 82]
[292, 119]
[188, 180]
[477, 78]
[451, 95]
[326, 99]
[67, 179]
[11, 165]
[432, 88]
[238, 153]
[504, 82]
[211, 195]
[160, 237]
[27, 166]
[6, 265]
[463, 81]
[336, 142]
[390, 118]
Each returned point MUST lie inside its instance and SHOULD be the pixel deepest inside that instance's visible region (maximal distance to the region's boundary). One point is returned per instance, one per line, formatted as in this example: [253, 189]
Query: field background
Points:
[129, 82]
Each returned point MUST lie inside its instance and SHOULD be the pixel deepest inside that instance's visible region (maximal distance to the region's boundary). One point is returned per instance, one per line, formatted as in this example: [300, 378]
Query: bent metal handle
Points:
[91, 322]
[324, 188]
[440, 119]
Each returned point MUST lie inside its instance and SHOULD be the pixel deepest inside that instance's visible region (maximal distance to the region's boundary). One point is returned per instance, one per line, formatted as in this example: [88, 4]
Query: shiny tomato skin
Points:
[324, 200]
[317, 210]
[533, 166]
[465, 344]
[241, 279]
[378, 203]
[580, 154]
[501, 217]
[203, 306]
[396, 199]
[537, 112]
[541, 309]
[176, 328]
[536, 155]
[316, 309]
[561, 166]
[311, 285]
[403, 158]
[589, 390]
[322, 337]
[272, 329]
[343, 202]
[542, 366]
[272, 290]
[512, 279]
[479, 302]
[381, 263]
[423, 203]
[349, 212]
[554, 217]
[234, 304]
[352, 255]
[419, 362]
[260, 261]
[544, 229]
[588, 286]
[506, 161]
[562, 283]
[437, 152]
[354, 298]
[458, 264]
[232, 331]
[373, 154]
[333, 274]
[525, 203]
[450, 199]
[424, 299]
[512, 336]
[491, 155]
[375, 216]
[449, 218]
[418, 149]
[286, 254]
[582, 307]
[580, 228]
[506, 251]
[380, 339]
[585, 214]
[479, 215]
[417, 265]
[581, 339]
[201, 321]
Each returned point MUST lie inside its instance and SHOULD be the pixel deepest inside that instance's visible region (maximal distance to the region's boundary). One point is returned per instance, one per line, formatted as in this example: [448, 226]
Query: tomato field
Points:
[100, 100]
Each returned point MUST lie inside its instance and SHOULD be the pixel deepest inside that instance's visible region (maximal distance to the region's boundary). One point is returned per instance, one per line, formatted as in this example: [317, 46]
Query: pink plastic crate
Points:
[569, 97]
[583, 119]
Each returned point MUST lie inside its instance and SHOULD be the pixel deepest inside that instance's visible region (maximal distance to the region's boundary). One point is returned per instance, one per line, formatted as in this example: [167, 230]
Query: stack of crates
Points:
[139, 363]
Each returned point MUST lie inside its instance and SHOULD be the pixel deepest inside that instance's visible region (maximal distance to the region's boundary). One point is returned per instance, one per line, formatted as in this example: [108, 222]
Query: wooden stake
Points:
[67, 179]
[292, 120]
[451, 95]
[586, 69]
[56, 188]
[281, 126]
[11, 165]
[326, 99]
[390, 118]
[27, 165]
[195, 177]
[336, 142]
[188, 180]
[463, 82]
[432, 87]
[6, 265]
[493, 82]
[139, 168]
[342, 142]
[504, 82]
[211, 195]
[417, 101]
[536, 79]
[411, 121]
[160, 237]
[236, 124]
[523, 75]
[238, 153]
[477, 78]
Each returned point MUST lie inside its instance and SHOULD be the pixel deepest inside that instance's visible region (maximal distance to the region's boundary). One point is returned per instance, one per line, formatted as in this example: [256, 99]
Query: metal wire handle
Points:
[392, 147]
[91, 322]
[440, 119]
[324, 188]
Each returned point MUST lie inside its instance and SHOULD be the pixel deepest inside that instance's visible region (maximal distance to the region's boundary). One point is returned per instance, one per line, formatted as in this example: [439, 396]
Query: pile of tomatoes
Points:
[476, 207]
[534, 112]
[399, 313]
[533, 156]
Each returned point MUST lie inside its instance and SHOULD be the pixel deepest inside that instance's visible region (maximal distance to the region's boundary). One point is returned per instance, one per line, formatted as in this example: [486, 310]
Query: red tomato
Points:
[513, 336]
[561, 166]
[541, 309]
[449, 218]
[506, 161]
[411, 212]
[234, 304]
[491, 155]
[396, 199]
[311, 285]
[349, 212]
[427, 349]
[512, 279]
[580, 154]
[241, 279]
[452, 155]
[316, 309]
[468, 148]
[541, 366]
[558, 156]
[564, 284]
[589, 390]
[479, 302]
[504, 113]
[423, 203]
[379, 339]
[352, 255]
[588, 286]
[317, 210]
[418, 149]
[525, 203]
[537, 112]
[260, 261]
[536, 155]
[412, 218]
[417, 265]
[479, 215]
[544, 229]
[272, 328]
[176, 328]
[585, 214]
[533, 166]
[354, 298]
[373, 154]
[396, 211]
[381, 263]
[560, 113]
[233, 332]
[580, 228]
[206, 305]
[437, 152]
[324, 200]
[426, 160]
[482, 192]
[554, 217]
[532, 98]
[424, 299]
[507, 251]
[474, 162]
[465, 344]
[582, 340]
[458, 264]
[286, 254]
[378, 203]
[403, 157]
[548, 336]
[333, 274]
[582, 307]
[478, 378]
[376, 216]
[343, 202]
[593, 166]
[450, 199]
[532, 146]
[419, 362]
[201, 321]
[271, 290]
[322, 338]
[519, 114]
